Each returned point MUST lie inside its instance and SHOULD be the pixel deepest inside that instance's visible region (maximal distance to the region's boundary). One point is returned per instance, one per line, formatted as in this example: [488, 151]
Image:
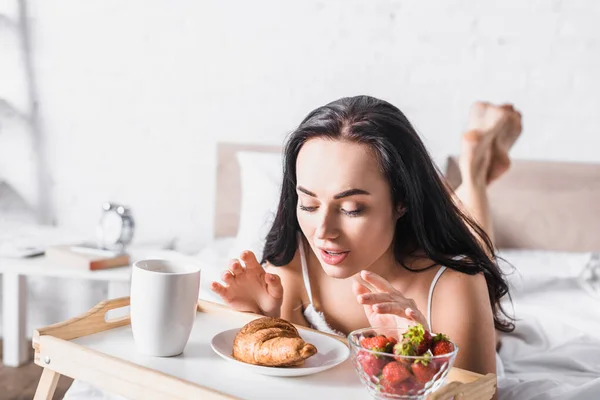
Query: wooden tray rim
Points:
[52, 342]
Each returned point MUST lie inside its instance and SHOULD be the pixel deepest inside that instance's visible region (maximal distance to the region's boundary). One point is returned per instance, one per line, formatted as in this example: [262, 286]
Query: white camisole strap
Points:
[433, 283]
[304, 268]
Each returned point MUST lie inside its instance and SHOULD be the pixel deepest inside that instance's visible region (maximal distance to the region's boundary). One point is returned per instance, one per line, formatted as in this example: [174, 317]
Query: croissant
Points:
[272, 342]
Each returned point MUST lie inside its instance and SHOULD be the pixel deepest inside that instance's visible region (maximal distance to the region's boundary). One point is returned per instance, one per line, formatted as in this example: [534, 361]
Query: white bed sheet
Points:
[554, 352]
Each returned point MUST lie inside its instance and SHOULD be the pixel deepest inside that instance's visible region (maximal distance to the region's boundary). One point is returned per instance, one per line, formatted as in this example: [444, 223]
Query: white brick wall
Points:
[135, 95]
[17, 145]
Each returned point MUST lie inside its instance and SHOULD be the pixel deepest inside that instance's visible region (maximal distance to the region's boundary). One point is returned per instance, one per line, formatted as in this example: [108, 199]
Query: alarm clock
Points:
[116, 227]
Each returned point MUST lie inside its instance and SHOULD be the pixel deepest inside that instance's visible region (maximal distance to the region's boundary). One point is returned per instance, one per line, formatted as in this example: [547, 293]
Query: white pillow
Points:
[261, 177]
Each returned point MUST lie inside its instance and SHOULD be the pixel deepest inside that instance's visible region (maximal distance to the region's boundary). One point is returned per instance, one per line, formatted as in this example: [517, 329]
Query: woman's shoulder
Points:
[427, 275]
[462, 310]
[462, 295]
[452, 278]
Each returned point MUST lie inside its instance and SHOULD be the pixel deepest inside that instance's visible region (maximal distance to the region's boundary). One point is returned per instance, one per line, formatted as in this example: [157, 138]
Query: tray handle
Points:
[482, 388]
[91, 322]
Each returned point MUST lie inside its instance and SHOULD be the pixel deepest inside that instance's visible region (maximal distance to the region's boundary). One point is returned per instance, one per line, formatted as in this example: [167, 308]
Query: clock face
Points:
[110, 228]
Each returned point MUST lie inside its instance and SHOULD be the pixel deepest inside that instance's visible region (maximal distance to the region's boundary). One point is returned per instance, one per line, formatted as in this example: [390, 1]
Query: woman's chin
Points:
[339, 271]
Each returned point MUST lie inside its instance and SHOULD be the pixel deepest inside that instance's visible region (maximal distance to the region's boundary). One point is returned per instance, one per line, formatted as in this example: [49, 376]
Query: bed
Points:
[547, 225]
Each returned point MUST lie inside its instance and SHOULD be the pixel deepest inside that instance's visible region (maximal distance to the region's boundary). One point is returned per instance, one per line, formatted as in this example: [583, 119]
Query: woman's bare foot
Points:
[250, 288]
[503, 144]
[492, 130]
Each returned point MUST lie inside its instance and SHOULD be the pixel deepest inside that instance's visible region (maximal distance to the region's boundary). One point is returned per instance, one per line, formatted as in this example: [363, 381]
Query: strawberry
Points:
[441, 345]
[405, 348]
[389, 348]
[401, 388]
[370, 363]
[406, 387]
[394, 372]
[376, 343]
[427, 340]
[424, 370]
[419, 337]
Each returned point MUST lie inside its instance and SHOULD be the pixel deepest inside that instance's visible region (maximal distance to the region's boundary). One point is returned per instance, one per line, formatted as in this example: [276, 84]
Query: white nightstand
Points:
[14, 298]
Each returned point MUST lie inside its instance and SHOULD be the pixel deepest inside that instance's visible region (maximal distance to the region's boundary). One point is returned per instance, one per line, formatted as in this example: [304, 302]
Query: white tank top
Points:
[317, 319]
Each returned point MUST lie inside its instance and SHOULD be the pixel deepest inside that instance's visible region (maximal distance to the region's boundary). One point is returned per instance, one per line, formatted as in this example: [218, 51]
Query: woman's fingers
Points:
[390, 303]
[402, 311]
[377, 281]
[217, 287]
[250, 260]
[374, 298]
[228, 277]
[389, 308]
[236, 268]
[274, 286]
[220, 290]
[359, 289]
[384, 297]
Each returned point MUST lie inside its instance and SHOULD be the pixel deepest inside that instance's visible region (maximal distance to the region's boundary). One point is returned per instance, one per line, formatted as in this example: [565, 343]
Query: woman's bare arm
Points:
[293, 286]
[461, 309]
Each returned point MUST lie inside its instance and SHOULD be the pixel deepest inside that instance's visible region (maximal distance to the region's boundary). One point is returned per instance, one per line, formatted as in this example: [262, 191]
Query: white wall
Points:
[135, 94]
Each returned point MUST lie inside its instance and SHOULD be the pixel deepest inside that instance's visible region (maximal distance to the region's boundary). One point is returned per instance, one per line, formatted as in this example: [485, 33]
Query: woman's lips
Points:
[332, 258]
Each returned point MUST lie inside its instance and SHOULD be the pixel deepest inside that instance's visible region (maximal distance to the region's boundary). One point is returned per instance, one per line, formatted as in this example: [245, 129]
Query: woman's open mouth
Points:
[333, 257]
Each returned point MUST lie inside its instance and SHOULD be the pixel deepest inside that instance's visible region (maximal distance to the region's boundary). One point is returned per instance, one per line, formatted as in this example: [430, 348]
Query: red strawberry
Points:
[419, 337]
[401, 388]
[394, 372]
[389, 348]
[424, 370]
[428, 340]
[371, 364]
[406, 387]
[405, 348]
[377, 343]
[441, 345]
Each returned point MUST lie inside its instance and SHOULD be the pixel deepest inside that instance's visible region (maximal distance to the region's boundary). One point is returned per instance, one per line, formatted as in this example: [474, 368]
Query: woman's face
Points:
[344, 205]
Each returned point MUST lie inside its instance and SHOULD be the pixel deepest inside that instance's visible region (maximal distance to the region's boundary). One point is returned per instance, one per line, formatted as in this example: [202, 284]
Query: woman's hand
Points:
[385, 306]
[250, 288]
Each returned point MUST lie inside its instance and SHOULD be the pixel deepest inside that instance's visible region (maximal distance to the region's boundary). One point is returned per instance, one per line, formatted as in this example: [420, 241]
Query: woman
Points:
[366, 229]
[363, 225]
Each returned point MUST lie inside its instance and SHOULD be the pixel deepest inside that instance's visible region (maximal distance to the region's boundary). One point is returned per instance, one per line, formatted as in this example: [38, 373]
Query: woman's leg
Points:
[492, 131]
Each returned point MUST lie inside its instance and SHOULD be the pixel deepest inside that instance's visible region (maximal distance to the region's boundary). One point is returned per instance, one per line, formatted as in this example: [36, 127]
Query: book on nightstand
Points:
[86, 257]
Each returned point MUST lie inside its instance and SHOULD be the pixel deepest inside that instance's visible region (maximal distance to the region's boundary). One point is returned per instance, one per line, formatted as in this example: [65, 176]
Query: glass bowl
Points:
[409, 379]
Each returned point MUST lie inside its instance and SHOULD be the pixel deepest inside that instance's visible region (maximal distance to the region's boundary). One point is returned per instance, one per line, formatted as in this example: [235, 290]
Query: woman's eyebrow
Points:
[350, 192]
[306, 191]
[345, 193]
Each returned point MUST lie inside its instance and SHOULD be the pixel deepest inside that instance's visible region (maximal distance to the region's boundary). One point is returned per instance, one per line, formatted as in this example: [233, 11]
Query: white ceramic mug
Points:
[164, 297]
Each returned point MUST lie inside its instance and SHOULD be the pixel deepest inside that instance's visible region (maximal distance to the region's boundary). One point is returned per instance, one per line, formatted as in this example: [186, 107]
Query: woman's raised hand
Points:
[250, 288]
[385, 306]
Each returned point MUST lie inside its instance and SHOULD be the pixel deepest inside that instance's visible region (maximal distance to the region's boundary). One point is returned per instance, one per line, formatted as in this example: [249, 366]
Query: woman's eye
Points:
[307, 209]
[352, 213]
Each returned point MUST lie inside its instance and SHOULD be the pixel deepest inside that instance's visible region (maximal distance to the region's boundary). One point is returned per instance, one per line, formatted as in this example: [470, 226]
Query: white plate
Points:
[330, 352]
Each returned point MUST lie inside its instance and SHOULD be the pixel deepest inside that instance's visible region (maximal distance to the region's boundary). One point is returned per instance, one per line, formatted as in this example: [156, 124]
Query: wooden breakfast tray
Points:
[101, 352]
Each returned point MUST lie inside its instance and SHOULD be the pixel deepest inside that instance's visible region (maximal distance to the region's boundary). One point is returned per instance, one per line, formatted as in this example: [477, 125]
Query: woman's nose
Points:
[327, 227]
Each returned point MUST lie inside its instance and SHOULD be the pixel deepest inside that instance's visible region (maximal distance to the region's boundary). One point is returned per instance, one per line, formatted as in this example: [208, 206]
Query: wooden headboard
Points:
[542, 205]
